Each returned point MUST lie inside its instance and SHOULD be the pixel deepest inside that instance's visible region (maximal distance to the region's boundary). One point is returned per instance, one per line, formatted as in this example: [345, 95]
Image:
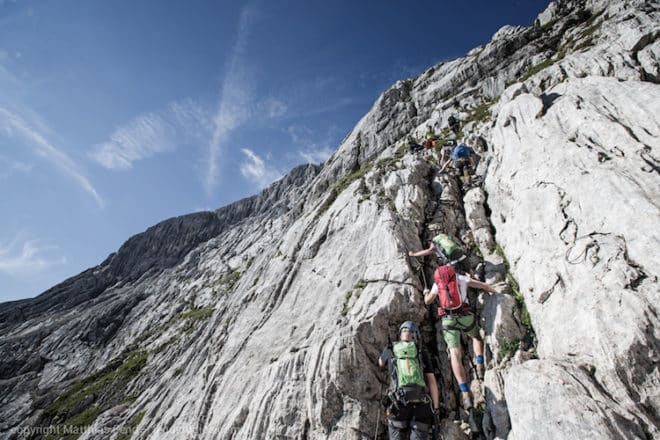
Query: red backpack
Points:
[449, 293]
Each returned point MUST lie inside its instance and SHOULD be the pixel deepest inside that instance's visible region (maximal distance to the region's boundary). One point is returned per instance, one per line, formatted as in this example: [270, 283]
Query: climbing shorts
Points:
[452, 326]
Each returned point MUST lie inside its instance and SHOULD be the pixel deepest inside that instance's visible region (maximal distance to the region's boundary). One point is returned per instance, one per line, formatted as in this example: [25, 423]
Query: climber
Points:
[445, 151]
[454, 124]
[413, 146]
[430, 138]
[455, 314]
[447, 251]
[462, 161]
[413, 397]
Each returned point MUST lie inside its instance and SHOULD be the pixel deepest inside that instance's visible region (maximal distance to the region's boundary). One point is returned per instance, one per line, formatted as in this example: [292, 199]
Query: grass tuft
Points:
[84, 401]
[198, 314]
[127, 432]
[345, 181]
[525, 318]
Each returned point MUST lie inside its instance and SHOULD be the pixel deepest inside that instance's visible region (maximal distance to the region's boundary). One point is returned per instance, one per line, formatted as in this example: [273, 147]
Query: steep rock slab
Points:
[574, 191]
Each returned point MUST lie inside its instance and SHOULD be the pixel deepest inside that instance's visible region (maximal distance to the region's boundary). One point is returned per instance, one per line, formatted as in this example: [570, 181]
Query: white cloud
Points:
[272, 108]
[14, 125]
[141, 138]
[316, 156]
[152, 133]
[312, 148]
[236, 97]
[28, 258]
[191, 119]
[256, 170]
[9, 166]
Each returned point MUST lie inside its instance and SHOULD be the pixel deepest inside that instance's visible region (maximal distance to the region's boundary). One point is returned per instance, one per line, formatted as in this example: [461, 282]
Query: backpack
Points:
[447, 245]
[407, 383]
[460, 152]
[450, 297]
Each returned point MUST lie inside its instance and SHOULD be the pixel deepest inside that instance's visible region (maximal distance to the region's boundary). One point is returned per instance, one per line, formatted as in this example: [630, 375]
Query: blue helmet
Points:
[411, 327]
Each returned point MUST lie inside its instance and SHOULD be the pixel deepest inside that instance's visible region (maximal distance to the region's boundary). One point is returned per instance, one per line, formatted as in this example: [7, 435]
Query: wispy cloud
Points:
[14, 125]
[317, 155]
[142, 137]
[311, 147]
[235, 98]
[255, 169]
[151, 133]
[272, 108]
[329, 107]
[9, 166]
[28, 257]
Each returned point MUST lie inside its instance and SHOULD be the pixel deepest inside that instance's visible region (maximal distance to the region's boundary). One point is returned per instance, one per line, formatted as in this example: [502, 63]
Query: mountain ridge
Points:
[302, 291]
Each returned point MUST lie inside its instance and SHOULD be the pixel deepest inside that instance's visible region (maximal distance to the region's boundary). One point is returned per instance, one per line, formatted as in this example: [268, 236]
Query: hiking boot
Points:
[467, 401]
[481, 371]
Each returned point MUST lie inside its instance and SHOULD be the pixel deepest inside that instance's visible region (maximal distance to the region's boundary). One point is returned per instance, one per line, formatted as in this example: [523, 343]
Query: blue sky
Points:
[117, 115]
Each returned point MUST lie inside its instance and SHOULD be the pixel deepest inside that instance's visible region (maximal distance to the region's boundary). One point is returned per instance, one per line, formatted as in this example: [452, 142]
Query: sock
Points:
[480, 360]
[464, 388]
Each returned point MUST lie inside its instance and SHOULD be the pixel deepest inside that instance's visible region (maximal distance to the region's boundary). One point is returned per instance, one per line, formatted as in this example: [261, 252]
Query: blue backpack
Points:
[460, 152]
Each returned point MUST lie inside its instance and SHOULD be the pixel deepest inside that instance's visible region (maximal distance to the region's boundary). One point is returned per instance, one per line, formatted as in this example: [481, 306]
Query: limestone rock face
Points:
[581, 240]
[265, 318]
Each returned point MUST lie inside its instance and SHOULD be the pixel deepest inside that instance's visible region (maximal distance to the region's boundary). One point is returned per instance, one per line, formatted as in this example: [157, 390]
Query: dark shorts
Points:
[462, 165]
[416, 419]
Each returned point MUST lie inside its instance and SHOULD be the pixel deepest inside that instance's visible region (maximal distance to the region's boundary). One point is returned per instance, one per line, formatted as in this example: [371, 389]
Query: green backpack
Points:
[446, 243]
[408, 383]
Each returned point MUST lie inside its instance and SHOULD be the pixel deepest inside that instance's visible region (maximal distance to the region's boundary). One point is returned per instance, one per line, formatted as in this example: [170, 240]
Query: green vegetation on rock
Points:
[84, 401]
[357, 290]
[525, 319]
[198, 314]
[345, 181]
[127, 432]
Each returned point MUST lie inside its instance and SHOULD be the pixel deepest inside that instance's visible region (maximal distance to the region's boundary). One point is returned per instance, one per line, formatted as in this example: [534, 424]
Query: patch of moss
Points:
[543, 65]
[589, 42]
[388, 162]
[228, 280]
[444, 136]
[127, 432]
[198, 314]
[355, 290]
[591, 24]
[345, 181]
[509, 348]
[480, 113]
[401, 151]
[75, 426]
[549, 25]
[100, 392]
[525, 319]
[347, 299]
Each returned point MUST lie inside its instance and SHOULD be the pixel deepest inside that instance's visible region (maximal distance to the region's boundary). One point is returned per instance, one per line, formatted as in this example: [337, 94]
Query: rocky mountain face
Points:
[265, 318]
